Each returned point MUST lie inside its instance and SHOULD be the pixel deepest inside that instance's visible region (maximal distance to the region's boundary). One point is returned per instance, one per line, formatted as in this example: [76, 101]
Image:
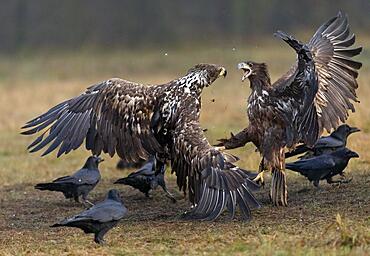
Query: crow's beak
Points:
[354, 155]
[354, 129]
[223, 72]
[246, 69]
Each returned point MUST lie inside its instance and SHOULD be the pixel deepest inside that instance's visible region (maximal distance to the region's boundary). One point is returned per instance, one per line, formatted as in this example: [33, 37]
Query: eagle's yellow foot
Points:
[220, 148]
[260, 179]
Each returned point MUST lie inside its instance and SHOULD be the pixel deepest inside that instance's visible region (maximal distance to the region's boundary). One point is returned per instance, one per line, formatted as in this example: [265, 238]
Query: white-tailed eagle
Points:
[137, 121]
[315, 94]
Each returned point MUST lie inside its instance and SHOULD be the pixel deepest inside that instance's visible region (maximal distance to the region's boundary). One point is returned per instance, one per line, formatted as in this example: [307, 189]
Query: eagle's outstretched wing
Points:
[113, 116]
[213, 182]
[336, 71]
[324, 79]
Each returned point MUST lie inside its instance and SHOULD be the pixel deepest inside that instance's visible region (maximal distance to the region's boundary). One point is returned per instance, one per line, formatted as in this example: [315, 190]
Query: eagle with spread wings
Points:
[137, 121]
[315, 94]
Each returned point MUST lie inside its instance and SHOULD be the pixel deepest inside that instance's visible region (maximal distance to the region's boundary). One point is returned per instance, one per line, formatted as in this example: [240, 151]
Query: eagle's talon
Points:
[260, 179]
[220, 148]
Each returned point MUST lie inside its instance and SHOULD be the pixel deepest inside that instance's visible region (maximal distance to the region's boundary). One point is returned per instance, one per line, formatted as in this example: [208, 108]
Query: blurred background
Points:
[145, 23]
[51, 50]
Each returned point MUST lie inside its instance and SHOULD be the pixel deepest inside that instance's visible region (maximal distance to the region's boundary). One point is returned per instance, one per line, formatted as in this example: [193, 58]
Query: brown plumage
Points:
[137, 121]
[315, 94]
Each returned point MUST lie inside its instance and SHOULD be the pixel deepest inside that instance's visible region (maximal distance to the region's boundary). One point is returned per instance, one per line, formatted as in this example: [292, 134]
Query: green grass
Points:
[30, 83]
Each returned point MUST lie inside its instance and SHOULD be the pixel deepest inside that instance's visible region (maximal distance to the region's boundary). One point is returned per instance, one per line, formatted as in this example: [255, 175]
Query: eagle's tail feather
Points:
[278, 190]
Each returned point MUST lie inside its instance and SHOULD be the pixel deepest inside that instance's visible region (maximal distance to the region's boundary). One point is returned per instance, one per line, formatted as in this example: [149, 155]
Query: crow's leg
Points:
[86, 202]
[76, 198]
[99, 237]
[168, 194]
[316, 183]
[147, 194]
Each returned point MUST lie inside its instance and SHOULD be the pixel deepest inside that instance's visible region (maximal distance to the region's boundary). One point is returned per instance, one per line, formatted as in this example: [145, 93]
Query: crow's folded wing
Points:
[108, 210]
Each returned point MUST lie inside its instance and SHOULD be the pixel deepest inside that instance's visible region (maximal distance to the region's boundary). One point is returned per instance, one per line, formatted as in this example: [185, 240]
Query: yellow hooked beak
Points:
[247, 70]
[223, 72]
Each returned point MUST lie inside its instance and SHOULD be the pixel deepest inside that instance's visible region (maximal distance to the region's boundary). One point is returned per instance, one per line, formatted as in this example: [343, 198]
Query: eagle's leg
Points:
[278, 190]
[260, 176]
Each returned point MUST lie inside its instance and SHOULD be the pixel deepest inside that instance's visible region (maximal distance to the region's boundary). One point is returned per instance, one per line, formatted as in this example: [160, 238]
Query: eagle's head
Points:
[253, 70]
[206, 74]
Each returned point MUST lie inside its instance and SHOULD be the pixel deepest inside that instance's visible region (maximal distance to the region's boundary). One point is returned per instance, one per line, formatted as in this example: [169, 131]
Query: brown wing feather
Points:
[113, 116]
[213, 182]
[328, 87]
[337, 72]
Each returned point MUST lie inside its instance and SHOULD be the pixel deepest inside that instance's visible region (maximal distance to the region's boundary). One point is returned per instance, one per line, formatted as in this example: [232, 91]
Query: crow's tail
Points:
[125, 181]
[49, 186]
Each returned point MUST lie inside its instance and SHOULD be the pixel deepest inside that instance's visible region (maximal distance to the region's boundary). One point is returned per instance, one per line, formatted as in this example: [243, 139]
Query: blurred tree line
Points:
[142, 23]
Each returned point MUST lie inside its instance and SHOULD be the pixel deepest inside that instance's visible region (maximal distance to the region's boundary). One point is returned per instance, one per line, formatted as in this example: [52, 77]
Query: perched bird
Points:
[100, 218]
[323, 167]
[78, 184]
[122, 164]
[326, 144]
[146, 179]
[137, 121]
[315, 94]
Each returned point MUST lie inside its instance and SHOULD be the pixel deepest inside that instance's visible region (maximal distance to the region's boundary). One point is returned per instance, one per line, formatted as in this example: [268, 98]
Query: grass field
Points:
[334, 220]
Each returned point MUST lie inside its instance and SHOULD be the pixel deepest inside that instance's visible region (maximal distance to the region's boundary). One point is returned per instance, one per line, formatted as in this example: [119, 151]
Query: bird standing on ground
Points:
[137, 121]
[324, 166]
[326, 144]
[100, 218]
[145, 179]
[78, 184]
[315, 94]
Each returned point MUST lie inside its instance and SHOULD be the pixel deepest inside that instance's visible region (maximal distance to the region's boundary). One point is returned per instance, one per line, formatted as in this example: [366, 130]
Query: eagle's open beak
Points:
[100, 159]
[223, 72]
[246, 68]
[354, 129]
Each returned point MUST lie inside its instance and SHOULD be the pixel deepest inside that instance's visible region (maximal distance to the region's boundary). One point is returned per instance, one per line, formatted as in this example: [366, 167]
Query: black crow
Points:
[326, 144]
[100, 218]
[78, 184]
[146, 179]
[324, 167]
